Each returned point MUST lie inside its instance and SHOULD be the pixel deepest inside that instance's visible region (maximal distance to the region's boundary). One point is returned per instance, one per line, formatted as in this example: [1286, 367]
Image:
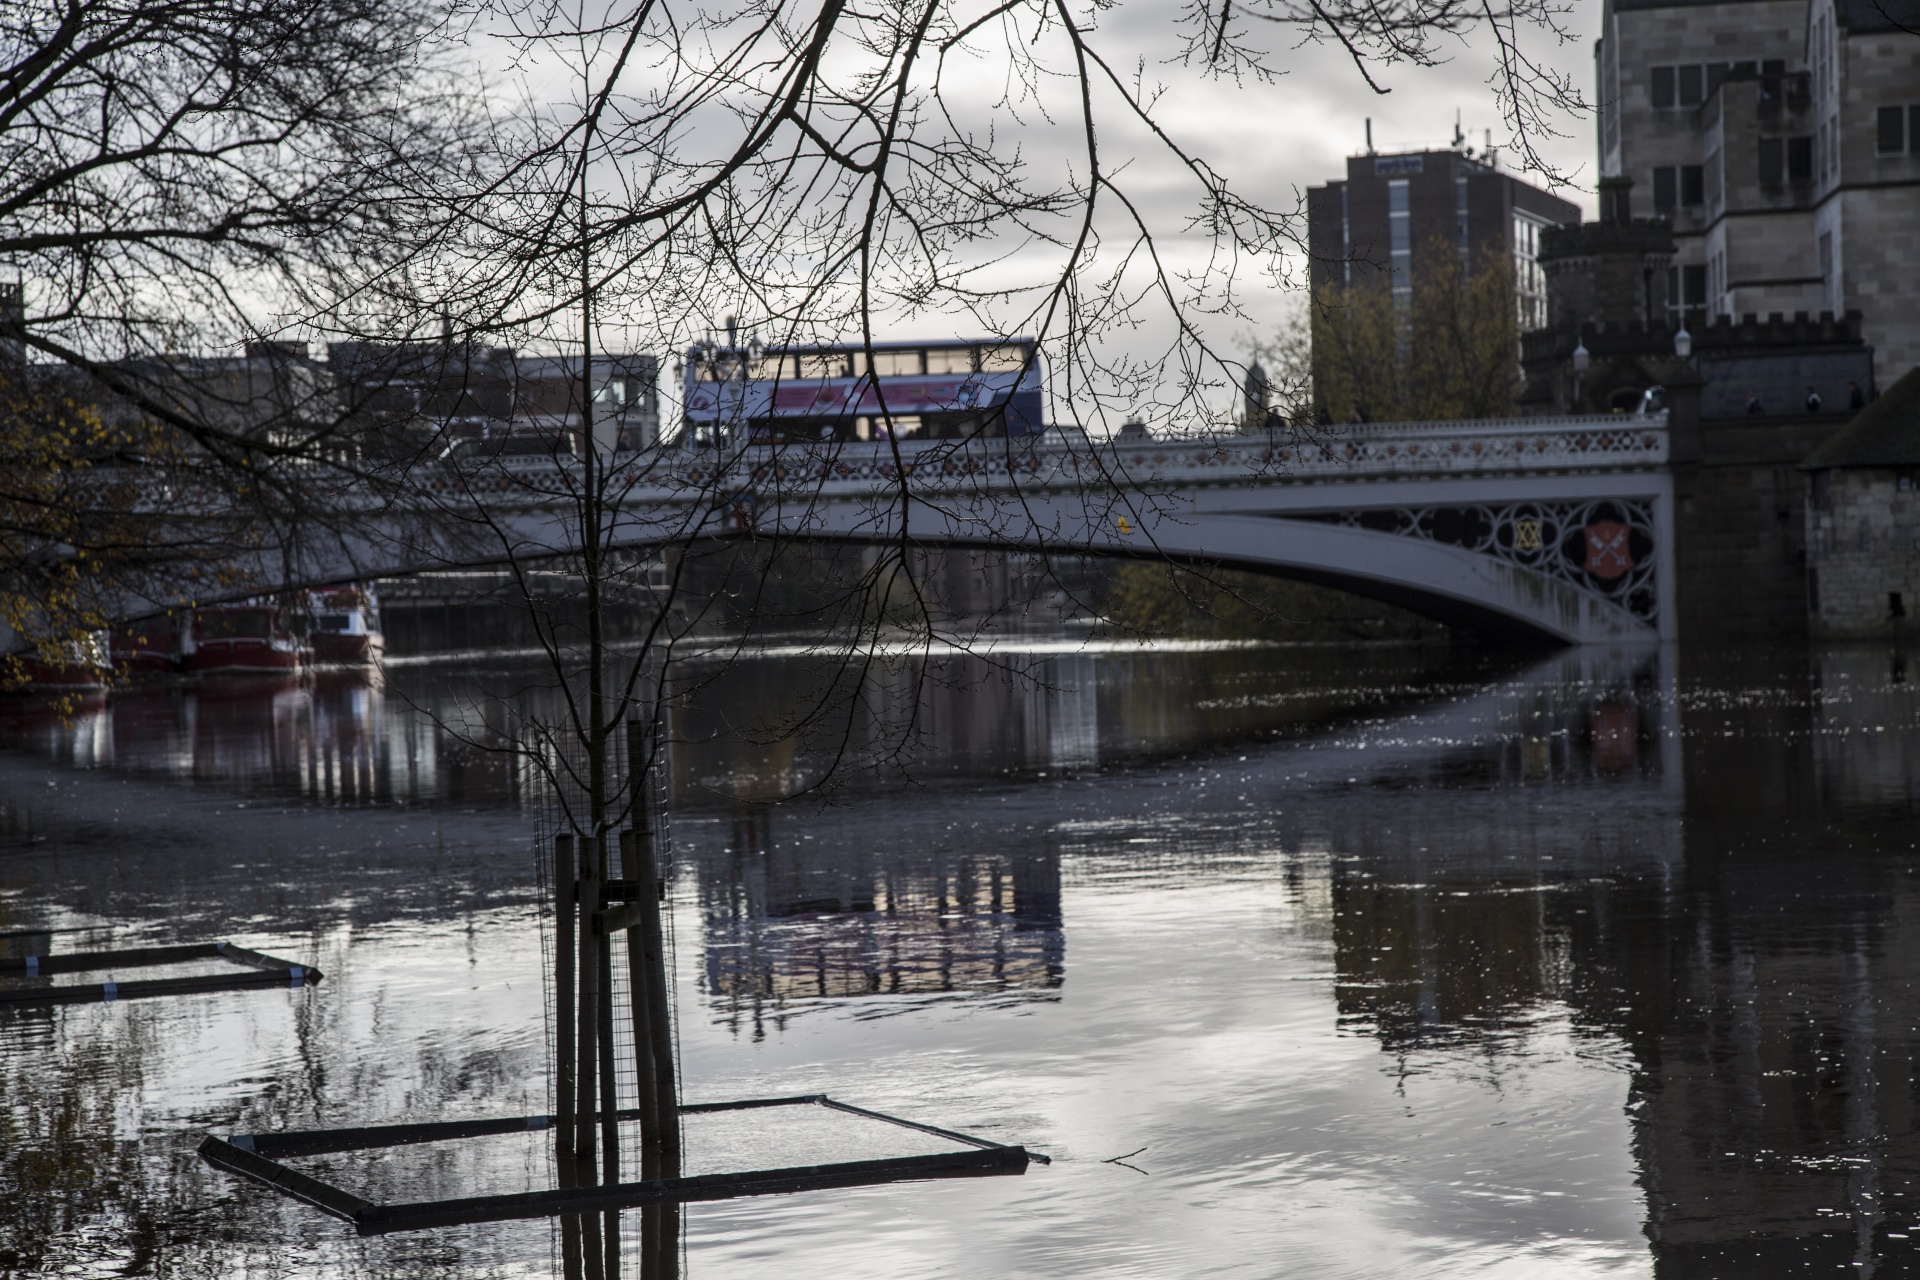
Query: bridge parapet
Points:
[1383, 450]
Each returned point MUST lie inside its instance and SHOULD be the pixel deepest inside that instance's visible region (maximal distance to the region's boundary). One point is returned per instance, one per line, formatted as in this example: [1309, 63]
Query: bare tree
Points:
[228, 169]
[181, 181]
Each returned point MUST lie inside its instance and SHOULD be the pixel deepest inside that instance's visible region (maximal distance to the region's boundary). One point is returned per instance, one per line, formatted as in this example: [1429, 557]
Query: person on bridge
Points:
[1753, 404]
[1813, 400]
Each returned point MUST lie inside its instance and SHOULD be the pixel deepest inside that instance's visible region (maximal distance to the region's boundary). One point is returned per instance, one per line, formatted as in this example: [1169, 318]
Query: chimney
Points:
[1616, 200]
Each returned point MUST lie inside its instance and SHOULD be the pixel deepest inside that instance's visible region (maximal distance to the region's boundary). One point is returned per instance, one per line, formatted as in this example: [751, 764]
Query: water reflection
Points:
[424, 734]
[1603, 966]
[789, 920]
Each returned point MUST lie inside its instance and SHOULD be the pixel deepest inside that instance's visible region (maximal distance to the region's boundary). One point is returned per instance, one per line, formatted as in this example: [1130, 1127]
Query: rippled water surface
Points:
[1376, 962]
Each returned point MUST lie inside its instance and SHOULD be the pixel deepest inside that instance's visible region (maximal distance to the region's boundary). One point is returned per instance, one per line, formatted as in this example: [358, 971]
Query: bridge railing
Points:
[1601, 442]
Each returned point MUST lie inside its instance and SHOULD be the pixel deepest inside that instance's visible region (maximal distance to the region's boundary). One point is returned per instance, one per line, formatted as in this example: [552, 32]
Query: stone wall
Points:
[1863, 551]
[1870, 209]
[1740, 529]
[1876, 252]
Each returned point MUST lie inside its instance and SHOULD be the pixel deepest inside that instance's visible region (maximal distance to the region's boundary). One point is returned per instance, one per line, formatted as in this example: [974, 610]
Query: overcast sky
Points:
[1281, 139]
[1272, 141]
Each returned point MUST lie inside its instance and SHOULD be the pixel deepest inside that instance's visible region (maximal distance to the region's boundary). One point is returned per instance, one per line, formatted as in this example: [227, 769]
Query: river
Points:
[1335, 962]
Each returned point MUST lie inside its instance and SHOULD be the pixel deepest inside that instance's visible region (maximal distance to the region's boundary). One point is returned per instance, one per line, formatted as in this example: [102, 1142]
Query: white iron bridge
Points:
[1552, 527]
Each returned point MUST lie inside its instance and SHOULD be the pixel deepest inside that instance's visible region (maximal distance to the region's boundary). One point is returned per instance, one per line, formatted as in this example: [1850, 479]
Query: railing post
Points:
[590, 1092]
[565, 1086]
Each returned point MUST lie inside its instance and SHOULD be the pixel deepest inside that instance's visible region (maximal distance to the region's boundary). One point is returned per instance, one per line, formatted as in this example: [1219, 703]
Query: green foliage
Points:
[1149, 598]
[1449, 351]
[53, 558]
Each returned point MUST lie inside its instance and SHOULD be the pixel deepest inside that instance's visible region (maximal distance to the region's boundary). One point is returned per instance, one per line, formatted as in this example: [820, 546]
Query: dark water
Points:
[1372, 962]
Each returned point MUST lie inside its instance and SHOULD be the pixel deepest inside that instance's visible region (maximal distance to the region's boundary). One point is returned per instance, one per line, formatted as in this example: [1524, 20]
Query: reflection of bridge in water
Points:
[830, 904]
[1713, 886]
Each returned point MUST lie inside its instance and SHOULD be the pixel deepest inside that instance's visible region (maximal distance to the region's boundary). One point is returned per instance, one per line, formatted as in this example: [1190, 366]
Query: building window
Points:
[1460, 216]
[1346, 241]
[1609, 99]
[1692, 83]
[1400, 239]
[1687, 296]
[1684, 185]
[1800, 159]
[1897, 130]
[1786, 160]
[1530, 282]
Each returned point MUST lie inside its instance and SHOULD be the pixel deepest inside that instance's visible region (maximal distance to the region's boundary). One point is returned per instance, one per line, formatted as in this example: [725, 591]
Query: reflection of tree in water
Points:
[794, 920]
[92, 1183]
[1444, 926]
[1419, 965]
[1762, 975]
[739, 733]
[84, 1188]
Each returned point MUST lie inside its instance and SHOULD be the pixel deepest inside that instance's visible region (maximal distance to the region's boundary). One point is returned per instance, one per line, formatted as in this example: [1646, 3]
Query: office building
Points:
[1382, 223]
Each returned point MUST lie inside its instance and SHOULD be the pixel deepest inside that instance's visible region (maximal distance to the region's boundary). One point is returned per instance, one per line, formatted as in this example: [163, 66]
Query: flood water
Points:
[1352, 962]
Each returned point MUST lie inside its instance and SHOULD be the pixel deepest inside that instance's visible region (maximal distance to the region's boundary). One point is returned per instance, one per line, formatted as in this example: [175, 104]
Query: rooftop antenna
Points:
[1493, 157]
[1459, 138]
[1369, 135]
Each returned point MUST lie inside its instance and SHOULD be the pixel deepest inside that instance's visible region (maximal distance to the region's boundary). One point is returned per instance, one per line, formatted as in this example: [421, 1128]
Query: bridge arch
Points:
[1448, 584]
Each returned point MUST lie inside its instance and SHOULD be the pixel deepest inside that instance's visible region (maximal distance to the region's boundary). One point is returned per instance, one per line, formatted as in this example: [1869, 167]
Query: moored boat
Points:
[149, 646]
[80, 664]
[239, 639]
[346, 626]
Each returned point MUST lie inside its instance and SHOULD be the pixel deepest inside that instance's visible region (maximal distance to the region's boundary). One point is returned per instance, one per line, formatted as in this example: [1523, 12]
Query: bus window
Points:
[948, 360]
[723, 367]
[894, 364]
[823, 364]
[1003, 359]
[777, 368]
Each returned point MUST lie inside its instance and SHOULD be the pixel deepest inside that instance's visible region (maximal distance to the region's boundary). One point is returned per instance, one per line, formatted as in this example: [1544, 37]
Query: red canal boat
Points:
[150, 646]
[83, 664]
[240, 638]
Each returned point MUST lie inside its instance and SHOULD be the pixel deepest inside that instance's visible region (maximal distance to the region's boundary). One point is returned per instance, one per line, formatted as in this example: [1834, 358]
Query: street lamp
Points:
[1683, 342]
[1582, 361]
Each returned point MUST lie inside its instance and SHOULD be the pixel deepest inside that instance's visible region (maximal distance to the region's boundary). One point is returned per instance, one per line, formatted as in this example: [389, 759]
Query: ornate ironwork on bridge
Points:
[1604, 547]
[1492, 446]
